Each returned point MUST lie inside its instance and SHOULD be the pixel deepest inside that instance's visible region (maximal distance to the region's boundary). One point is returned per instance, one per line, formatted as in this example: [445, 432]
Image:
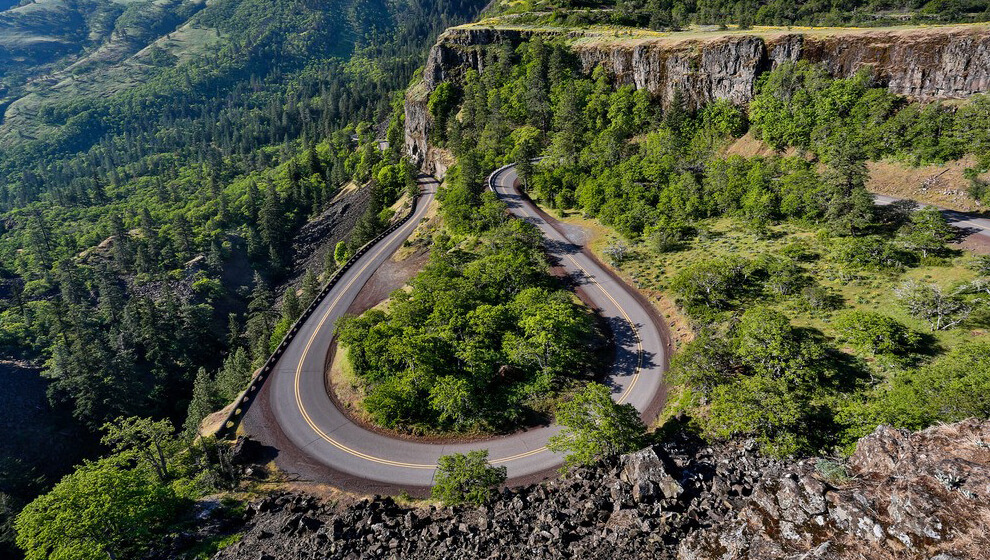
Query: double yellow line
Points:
[326, 437]
[622, 310]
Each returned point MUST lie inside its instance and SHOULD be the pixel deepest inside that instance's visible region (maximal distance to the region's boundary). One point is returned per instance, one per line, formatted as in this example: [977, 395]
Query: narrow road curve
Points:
[297, 418]
[971, 224]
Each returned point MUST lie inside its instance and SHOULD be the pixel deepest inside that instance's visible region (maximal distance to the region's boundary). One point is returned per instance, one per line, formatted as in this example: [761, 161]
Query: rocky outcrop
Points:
[925, 64]
[418, 124]
[923, 495]
[931, 64]
[720, 69]
[461, 48]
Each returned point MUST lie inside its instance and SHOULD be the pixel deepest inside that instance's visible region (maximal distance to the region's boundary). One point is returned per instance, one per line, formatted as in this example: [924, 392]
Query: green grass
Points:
[609, 33]
[869, 290]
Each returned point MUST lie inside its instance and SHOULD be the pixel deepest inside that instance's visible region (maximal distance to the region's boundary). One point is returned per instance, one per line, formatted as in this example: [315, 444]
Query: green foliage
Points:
[526, 141]
[766, 379]
[596, 427]
[676, 15]
[833, 471]
[713, 283]
[481, 338]
[123, 196]
[757, 406]
[872, 252]
[149, 443]
[101, 510]
[927, 232]
[767, 343]
[653, 173]
[798, 104]
[340, 253]
[703, 364]
[949, 389]
[442, 101]
[875, 333]
[124, 504]
[466, 478]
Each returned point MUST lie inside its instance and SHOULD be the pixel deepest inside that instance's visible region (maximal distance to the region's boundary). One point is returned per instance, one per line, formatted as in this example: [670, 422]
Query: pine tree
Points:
[310, 287]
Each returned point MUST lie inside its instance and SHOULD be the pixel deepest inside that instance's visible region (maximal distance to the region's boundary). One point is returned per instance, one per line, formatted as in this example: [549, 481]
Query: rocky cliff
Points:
[901, 495]
[925, 64]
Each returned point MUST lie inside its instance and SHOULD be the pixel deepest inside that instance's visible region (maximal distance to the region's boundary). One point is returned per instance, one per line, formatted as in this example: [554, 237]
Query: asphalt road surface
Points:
[298, 409]
[969, 223]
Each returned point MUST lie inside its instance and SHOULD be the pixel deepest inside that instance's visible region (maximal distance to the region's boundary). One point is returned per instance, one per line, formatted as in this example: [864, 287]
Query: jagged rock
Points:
[922, 495]
[649, 477]
[245, 451]
[909, 489]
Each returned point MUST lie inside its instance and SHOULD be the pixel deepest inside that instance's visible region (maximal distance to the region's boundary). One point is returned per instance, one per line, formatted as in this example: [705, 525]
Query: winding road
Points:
[313, 438]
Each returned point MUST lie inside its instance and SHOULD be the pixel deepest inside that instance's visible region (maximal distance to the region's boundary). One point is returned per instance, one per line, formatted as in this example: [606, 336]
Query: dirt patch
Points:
[976, 243]
[390, 276]
[944, 185]
[345, 389]
[749, 146]
[421, 237]
[938, 185]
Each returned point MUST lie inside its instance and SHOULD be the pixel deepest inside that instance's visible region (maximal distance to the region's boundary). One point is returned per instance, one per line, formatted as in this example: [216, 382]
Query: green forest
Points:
[150, 207]
[146, 236]
[660, 178]
[485, 336]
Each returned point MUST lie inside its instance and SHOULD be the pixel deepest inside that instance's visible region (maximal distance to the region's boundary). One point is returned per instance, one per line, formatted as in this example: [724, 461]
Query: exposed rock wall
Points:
[925, 64]
[720, 69]
[418, 123]
[924, 495]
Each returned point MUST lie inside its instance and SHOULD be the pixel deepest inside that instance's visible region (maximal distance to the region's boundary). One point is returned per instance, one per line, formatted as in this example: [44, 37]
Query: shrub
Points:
[874, 333]
[595, 427]
[466, 478]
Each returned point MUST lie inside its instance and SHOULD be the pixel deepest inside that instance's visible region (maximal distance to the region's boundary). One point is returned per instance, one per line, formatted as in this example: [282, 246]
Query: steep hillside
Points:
[776, 267]
[176, 166]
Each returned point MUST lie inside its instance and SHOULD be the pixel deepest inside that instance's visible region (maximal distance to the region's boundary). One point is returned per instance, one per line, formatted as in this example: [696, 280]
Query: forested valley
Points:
[146, 234]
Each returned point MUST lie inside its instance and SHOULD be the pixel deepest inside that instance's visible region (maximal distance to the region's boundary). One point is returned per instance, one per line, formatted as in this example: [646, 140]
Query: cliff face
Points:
[904, 496]
[428, 157]
[925, 64]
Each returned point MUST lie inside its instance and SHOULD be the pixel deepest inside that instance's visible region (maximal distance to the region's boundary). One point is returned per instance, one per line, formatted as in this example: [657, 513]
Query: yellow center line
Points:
[639, 342]
[302, 407]
[334, 442]
[379, 460]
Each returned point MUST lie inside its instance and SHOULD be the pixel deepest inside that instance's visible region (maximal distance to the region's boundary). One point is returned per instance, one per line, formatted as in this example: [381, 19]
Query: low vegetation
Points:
[122, 504]
[595, 427]
[679, 14]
